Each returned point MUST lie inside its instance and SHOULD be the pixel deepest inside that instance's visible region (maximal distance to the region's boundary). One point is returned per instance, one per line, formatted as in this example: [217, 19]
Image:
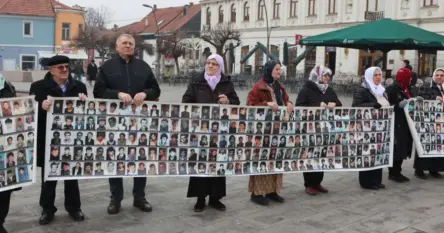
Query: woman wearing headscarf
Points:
[398, 93]
[371, 95]
[7, 90]
[433, 92]
[210, 87]
[268, 92]
[315, 93]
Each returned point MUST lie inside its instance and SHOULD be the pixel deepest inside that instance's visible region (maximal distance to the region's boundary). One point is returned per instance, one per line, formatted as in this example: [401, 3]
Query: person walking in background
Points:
[433, 92]
[78, 71]
[315, 93]
[210, 87]
[268, 92]
[371, 95]
[134, 83]
[58, 82]
[398, 93]
[91, 72]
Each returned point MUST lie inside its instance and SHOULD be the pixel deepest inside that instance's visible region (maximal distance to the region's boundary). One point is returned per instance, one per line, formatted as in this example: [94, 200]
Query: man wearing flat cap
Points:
[56, 83]
[131, 80]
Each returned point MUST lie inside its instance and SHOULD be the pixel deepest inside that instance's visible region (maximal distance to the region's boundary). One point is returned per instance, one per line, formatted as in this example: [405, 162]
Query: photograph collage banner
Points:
[426, 123]
[18, 131]
[106, 138]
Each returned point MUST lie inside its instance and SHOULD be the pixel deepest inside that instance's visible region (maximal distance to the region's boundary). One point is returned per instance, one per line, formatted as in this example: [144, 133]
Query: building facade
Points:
[25, 32]
[289, 18]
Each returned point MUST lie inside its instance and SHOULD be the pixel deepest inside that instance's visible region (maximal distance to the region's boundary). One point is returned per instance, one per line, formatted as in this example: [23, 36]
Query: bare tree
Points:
[97, 17]
[172, 44]
[218, 37]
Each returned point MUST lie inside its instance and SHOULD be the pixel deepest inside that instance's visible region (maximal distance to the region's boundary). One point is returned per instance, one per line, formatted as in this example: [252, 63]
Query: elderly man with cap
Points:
[56, 83]
[131, 80]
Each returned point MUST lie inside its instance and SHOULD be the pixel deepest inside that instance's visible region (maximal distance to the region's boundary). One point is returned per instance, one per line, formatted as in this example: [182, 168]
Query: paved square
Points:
[414, 207]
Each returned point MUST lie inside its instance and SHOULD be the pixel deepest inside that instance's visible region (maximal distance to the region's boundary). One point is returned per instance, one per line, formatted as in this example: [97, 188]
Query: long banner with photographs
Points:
[426, 123]
[106, 138]
[17, 142]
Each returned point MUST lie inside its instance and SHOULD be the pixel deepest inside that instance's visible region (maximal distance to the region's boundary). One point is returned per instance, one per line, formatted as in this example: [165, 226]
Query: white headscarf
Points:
[316, 75]
[378, 90]
[434, 73]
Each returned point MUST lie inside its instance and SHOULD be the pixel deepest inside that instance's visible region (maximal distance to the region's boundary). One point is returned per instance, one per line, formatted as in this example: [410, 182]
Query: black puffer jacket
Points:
[115, 75]
[41, 89]
[364, 98]
[311, 96]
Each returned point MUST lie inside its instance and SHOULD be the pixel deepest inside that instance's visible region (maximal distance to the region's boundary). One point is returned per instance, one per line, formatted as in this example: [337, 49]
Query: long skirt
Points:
[429, 164]
[265, 184]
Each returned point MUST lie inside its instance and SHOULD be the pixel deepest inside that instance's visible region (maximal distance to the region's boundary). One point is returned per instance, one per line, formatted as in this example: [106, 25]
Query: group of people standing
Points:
[132, 81]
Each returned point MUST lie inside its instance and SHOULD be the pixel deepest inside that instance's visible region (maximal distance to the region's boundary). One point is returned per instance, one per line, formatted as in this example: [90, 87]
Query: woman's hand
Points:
[82, 97]
[331, 105]
[273, 106]
[223, 99]
[46, 105]
[324, 105]
[290, 107]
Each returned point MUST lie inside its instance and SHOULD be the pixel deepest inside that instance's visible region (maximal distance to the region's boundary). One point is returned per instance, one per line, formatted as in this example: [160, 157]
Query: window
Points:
[233, 13]
[66, 31]
[261, 9]
[221, 14]
[246, 12]
[276, 6]
[27, 29]
[332, 7]
[293, 11]
[311, 7]
[430, 3]
[426, 63]
[208, 16]
[28, 62]
[372, 5]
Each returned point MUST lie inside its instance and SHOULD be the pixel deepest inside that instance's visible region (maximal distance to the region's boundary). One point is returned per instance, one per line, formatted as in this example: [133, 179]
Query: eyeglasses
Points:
[62, 67]
[212, 63]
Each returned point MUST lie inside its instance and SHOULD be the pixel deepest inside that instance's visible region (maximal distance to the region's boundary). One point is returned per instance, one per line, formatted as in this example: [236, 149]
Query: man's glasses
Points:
[62, 67]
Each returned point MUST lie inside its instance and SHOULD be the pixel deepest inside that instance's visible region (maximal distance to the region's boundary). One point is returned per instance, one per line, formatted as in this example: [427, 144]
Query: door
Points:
[9, 64]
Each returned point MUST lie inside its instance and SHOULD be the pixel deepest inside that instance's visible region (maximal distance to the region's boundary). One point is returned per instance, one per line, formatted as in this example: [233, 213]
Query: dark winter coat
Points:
[403, 137]
[91, 71]
[41, 89]
[311, 96]
[115, 75]
[199, 92]
[364, 98]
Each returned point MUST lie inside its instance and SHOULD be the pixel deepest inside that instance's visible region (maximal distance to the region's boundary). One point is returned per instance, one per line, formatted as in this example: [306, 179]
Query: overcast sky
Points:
[127, 11]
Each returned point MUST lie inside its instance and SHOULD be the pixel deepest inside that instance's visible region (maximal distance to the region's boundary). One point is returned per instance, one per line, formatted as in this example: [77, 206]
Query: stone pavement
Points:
[414, 207]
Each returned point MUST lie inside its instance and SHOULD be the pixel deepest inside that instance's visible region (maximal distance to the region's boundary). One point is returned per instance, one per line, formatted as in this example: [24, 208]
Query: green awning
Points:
[383, 35]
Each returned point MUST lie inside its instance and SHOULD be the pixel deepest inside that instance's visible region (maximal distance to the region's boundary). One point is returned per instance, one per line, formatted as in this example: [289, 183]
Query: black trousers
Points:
[116, 188]
[5, 199]
[48, 194]
[367, 179]
[215, 187]
[397, 167]
[313, 179]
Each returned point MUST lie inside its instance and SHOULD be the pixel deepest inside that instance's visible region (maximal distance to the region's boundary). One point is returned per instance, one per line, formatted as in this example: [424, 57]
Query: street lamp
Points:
[153, 9]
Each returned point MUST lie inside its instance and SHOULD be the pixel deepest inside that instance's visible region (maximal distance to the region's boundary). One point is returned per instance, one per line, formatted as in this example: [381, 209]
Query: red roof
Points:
[60, 5]
[27, 7]
[169, 19]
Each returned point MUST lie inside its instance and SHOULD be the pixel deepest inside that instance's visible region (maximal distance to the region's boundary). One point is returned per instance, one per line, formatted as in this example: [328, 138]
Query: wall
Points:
[43, 31]
[15, 52]
[74, 18]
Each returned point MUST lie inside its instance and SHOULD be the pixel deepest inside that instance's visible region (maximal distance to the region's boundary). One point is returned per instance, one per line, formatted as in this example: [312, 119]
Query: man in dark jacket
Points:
[91, 72]
[57, 83]
[7, 91]
[132, 81]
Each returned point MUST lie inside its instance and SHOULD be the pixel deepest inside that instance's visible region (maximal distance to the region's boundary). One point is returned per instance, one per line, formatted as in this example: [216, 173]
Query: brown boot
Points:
[142, 204]
[113, 207]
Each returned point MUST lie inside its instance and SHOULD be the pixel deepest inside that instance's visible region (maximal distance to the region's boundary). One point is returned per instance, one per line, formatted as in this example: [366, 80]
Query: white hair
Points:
[124, 35]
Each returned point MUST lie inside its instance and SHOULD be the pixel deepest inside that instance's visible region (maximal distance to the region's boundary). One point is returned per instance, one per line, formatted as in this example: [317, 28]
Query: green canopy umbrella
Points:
[383, 35]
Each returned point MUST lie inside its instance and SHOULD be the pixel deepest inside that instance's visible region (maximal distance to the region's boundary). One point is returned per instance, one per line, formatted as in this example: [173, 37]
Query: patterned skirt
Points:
[265, 184]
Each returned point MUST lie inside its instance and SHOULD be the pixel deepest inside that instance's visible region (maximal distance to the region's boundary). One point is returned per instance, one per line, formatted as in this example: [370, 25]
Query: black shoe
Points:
[381, 186]
[435, 175]
[275, 197]
[46, 218]
[78, 216]
[200, 205]
[215, 203]
[259, 199]
[420, 175]
[113, 207]
[2, 229]
[142, 204]
[374, 187]
[398, 178]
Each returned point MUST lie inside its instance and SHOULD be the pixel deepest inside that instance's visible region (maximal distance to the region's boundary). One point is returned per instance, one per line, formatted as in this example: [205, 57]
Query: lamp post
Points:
[153, 9]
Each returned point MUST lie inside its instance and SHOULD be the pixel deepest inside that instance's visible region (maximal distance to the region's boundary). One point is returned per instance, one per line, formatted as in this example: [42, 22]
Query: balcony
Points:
[373, 15]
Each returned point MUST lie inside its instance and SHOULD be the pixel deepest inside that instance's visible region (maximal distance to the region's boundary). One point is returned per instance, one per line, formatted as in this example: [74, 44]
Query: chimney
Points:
[191, 4]
[154, 7]
[146, 21]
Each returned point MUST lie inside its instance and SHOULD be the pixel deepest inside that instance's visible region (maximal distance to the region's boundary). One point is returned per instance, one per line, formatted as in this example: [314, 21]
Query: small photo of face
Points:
[214, 126]
[121, 171]
[53, 169]
[172, 168]
[165, 110]
[174, 127]
[184, 126]
[162, 168]
[205, 112]
[204, 127]
[234, 113]
[9, 125]
[251, 114]
[195, 112]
